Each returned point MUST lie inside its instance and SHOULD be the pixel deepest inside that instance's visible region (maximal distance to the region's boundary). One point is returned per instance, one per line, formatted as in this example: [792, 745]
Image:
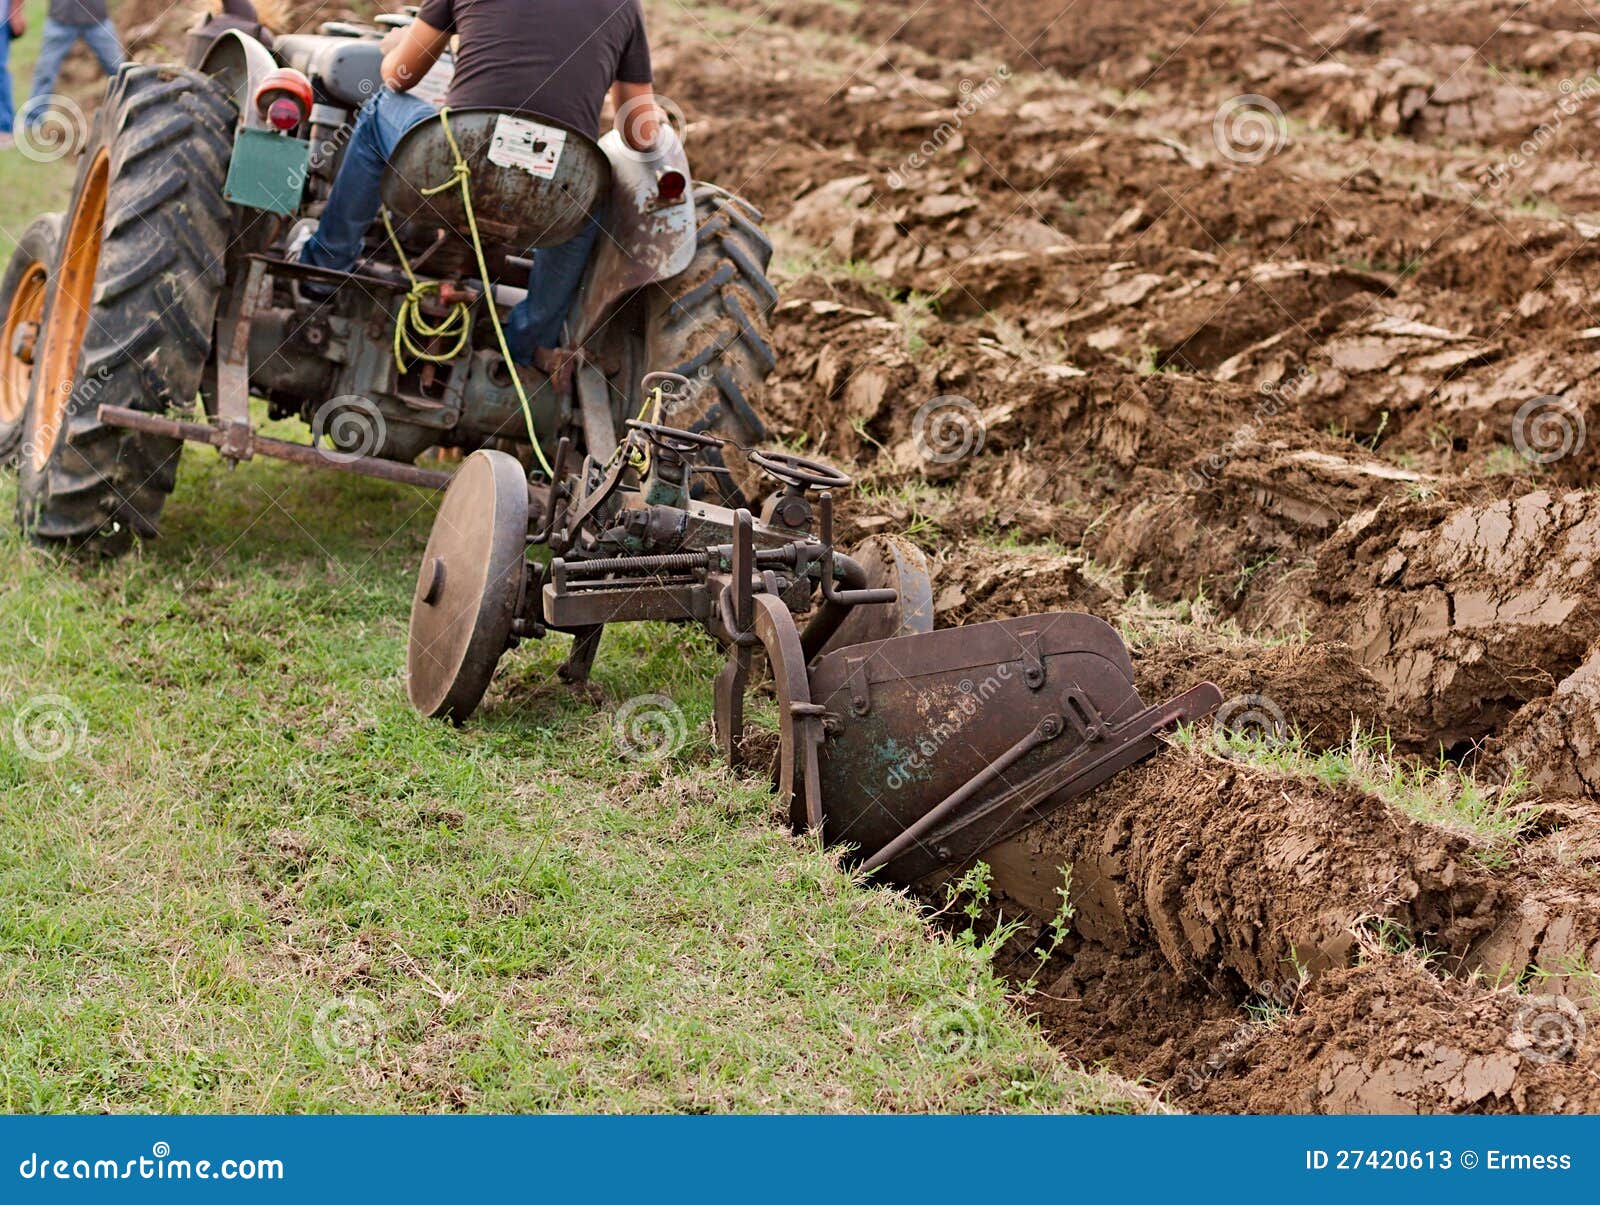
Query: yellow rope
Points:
[410, 323]
[410, 313]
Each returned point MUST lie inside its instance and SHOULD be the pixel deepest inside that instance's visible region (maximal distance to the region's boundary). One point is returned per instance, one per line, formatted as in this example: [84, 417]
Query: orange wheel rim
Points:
[69, 315]
[19, 339]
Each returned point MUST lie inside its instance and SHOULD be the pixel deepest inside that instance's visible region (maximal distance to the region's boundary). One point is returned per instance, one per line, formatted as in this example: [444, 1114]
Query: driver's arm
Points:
[409, 53]
[638, 119]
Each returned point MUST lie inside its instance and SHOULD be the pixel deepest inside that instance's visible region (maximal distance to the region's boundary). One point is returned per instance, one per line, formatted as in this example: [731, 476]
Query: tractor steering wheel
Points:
[798, 471]
[673, 439]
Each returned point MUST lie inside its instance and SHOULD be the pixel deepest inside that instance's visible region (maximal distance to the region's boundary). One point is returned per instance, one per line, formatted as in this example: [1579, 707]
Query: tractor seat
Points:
[534, 181]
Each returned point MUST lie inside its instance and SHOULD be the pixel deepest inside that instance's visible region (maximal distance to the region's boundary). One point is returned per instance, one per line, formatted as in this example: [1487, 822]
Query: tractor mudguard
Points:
[239, 63]
[647, 238]
[267, 169]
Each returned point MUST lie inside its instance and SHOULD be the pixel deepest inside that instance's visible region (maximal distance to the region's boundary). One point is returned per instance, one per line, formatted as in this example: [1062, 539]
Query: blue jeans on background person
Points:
[353, 204]
[7, 113]
[54, 43]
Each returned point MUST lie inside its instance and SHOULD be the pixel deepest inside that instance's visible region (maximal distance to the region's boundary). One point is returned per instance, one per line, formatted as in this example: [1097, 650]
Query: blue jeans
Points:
[53, 46]
[353, 205]
[6, 111]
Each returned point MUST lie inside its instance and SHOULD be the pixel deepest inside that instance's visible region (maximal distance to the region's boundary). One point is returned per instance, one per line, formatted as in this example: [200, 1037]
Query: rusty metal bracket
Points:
[1082, 714]
[1032, 663]
[860, 685]
[233, 362]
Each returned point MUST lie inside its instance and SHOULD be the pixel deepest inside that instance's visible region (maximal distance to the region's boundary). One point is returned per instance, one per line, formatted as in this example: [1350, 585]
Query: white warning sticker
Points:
[535, 148]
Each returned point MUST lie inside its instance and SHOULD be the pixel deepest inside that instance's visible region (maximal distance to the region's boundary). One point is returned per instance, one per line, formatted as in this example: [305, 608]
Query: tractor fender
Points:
[239, 63]
[646, 239]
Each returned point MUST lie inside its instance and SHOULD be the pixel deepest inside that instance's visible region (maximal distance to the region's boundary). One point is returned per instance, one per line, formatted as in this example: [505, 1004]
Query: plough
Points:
[916, 749]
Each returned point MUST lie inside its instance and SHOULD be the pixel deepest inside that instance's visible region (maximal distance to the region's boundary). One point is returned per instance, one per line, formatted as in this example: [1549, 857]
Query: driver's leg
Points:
[354, 199]
[535, 322]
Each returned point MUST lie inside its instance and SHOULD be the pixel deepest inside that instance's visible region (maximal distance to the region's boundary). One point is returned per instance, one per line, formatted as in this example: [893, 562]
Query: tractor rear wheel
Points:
[129, 311]
[22, 291]
[712, 324]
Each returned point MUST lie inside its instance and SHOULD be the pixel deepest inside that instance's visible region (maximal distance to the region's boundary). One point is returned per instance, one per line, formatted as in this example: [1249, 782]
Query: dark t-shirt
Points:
[553, 57]
[78, 12]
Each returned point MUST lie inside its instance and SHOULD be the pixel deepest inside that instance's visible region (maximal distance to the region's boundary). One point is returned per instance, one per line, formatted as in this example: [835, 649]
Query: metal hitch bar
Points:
[239, 441]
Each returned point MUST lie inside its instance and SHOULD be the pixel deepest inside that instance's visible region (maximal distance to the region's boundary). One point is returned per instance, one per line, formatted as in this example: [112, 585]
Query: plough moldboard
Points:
[915, 748]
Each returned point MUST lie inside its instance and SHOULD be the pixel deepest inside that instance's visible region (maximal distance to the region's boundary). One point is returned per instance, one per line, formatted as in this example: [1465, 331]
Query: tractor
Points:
[169, 294]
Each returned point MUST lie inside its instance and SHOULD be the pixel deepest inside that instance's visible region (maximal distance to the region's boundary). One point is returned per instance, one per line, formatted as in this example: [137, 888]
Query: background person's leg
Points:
[355, 197]
[54, 42]
[552, 286]
[6, 112]
[107, 47]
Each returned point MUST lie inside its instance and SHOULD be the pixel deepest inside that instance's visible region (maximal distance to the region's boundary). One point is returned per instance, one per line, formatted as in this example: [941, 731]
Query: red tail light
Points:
[670, 185]
[283, 114]
[284, 98]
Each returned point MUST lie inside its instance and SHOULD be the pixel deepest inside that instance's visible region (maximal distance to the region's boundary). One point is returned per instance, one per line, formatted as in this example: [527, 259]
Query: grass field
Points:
[239, 873]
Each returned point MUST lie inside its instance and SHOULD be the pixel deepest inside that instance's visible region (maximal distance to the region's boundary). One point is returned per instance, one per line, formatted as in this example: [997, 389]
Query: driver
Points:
[556, 58]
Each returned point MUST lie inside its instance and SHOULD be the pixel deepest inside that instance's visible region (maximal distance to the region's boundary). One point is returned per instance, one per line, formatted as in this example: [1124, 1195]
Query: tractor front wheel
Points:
[22, 291]
[129, 311]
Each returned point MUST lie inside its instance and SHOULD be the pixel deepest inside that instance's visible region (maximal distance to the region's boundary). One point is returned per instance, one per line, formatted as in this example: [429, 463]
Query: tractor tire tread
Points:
[154, 302]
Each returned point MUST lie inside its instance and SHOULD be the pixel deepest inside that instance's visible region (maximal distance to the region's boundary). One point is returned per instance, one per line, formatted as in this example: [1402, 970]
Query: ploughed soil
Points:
[1266, 333]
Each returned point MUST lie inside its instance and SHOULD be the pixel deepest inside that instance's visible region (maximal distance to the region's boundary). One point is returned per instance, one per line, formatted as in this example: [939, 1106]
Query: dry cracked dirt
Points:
[1265, 331]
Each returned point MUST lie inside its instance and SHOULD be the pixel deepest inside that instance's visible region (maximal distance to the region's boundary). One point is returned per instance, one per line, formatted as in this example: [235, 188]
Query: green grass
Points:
[1493, 816]
[255, 880]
